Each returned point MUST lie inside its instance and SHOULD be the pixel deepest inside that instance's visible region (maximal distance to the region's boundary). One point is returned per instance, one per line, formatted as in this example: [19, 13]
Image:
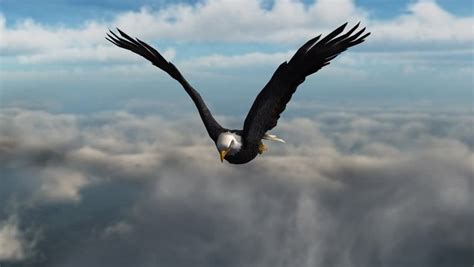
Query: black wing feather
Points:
[309, 58]
[143, 49]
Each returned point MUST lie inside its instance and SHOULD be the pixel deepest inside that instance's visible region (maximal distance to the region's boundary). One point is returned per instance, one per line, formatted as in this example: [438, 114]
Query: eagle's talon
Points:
[262, 148]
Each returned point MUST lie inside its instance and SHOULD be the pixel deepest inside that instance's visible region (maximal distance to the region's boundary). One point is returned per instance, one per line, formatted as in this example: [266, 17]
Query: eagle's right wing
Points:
[311, 57]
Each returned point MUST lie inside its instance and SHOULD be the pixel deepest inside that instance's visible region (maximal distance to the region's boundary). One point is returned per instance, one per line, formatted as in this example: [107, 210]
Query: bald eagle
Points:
[242, 146]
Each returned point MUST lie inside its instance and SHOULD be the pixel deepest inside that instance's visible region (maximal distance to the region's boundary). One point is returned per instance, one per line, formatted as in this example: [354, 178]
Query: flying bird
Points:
[242, 146]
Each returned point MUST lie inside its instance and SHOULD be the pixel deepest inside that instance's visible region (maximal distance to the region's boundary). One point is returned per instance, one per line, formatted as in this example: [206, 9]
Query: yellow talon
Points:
[262, 148]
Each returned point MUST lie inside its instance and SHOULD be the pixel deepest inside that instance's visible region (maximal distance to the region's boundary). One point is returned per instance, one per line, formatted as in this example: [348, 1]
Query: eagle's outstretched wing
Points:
[311, 57]
[143, 49]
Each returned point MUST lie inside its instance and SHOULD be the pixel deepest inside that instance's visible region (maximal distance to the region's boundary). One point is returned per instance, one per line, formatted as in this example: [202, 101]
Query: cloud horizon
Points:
[348, 188]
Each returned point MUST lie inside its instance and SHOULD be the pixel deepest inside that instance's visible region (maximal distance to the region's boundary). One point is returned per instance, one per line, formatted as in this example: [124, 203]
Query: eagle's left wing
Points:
[143, 49]
[311, 57]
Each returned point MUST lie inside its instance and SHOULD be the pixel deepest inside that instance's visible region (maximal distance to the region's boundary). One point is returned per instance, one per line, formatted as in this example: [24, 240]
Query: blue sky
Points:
[419, 53]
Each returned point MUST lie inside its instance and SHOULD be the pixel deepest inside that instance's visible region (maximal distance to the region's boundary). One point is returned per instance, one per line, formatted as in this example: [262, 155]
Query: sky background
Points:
[104, 161]
[420, 52]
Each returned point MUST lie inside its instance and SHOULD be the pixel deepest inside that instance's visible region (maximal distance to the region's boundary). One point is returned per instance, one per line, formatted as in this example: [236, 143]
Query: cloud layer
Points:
[424, 24]
[350, 188]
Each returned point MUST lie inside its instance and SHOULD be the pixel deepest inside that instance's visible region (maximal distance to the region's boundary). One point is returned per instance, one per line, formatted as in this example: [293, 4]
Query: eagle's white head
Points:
[228, 143]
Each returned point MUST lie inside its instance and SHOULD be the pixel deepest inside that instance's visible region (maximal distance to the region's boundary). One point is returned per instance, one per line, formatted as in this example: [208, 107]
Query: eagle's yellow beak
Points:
[223, 153]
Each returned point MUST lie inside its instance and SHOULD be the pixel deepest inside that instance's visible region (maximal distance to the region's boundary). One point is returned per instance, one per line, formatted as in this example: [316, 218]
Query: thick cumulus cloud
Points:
[350, 188]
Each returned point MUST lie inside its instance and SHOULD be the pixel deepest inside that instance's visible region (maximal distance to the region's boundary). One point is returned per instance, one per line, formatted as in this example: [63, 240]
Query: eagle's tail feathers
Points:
[273, 137]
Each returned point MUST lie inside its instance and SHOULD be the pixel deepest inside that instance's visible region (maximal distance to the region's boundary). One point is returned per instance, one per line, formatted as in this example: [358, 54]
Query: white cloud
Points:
[98, 53]
[237, 61]
[125, 146]
[61, 185]
[29, 36]
[47, 128]
[424, 22]
[13, 246]
[240, 21]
